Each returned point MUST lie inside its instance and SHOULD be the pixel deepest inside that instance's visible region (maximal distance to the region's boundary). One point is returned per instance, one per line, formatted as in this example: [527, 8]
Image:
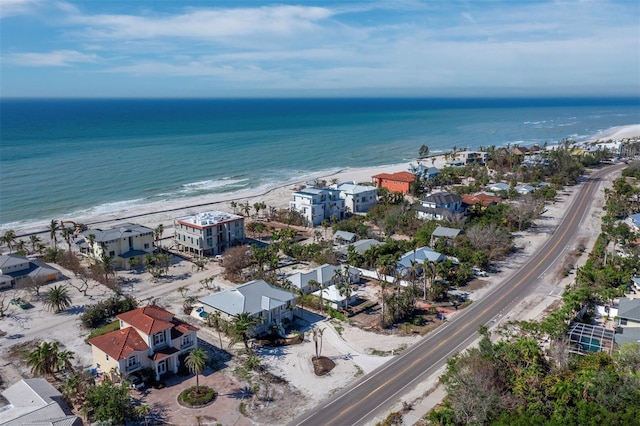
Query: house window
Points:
[112, 253]
[106, 357]
[132, 361]
[146, 245]
[186, 340]
[158, 338]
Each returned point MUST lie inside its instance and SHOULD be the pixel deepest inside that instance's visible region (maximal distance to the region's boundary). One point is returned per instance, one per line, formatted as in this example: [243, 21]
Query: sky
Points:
[430, 48]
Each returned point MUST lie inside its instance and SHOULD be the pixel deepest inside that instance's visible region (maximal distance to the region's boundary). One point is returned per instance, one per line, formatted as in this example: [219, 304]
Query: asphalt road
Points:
[360, 402]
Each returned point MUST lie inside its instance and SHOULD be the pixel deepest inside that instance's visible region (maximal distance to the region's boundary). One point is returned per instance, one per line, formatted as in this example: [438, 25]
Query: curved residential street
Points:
[370, 395]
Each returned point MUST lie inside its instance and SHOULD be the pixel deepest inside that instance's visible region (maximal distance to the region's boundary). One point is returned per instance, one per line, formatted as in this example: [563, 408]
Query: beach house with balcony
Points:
[318, 204]
[149, 337]
[439, 206]
[394, 182]
[123, 243]
[469, 157]
[209, 233]
[357, 198]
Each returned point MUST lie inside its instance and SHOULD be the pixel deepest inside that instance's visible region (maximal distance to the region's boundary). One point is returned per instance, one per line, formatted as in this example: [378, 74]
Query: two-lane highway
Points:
[360, 402]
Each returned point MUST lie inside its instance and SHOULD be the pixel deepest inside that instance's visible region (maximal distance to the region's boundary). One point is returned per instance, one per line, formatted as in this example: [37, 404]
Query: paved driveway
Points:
[223, 411]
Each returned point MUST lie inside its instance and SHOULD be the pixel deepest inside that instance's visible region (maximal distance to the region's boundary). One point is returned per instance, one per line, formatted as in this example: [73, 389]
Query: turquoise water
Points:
[65, 157]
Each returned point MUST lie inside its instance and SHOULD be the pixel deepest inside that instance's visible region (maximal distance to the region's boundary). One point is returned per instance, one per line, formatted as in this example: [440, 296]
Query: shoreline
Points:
[277, 196]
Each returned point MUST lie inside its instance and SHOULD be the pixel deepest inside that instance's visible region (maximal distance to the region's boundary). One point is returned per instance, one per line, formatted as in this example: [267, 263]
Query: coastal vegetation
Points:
[514, 381]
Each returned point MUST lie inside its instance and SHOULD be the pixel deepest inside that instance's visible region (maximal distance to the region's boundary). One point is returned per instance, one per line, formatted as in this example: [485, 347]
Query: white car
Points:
[479, 272]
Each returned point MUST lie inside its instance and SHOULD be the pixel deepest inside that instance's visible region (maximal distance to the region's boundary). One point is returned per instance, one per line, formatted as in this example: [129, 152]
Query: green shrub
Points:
[197, 396]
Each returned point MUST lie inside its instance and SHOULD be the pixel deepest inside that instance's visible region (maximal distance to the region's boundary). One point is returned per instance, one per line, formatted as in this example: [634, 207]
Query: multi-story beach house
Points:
[439, 205]
[209, 233]
[357, 198]
[394, 182]
[122, 243]
[318, 204]
[149, 337]
[468, 157]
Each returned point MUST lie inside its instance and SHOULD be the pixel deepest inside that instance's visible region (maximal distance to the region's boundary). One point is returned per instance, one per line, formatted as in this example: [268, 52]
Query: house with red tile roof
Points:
[481, 198]
[394, 182]
[149, 337]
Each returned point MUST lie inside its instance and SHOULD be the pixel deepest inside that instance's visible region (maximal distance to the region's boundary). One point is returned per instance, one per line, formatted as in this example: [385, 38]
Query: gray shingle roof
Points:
[629, 309]
[118, 232]
[360, 246]
[442, 198]
[252, 297]
[443, 231]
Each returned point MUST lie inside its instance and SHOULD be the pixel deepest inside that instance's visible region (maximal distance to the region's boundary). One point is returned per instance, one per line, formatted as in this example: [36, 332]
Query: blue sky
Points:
[94, 48]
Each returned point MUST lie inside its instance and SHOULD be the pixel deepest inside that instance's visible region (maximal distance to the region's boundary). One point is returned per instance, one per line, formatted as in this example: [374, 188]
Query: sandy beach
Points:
[277, 196]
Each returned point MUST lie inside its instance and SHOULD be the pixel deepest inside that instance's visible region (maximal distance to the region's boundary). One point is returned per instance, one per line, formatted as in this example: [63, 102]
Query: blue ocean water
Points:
[59, 158]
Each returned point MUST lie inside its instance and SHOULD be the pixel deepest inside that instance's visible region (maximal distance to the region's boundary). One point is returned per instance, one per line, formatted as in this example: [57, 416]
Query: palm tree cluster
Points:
[48, 359]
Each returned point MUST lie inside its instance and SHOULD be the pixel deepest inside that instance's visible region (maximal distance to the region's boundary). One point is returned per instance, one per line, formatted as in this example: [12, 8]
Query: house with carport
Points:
[149, 337]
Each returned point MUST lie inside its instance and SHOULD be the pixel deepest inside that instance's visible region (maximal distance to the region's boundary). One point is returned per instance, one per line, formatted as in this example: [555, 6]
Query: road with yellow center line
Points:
[358, 403]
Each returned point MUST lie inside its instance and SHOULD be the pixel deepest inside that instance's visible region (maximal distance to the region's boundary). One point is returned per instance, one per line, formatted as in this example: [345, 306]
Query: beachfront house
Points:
[344, 237]
[268, 304]
[123, 242]
[149, 337]
[15, 269]
[394, 182]
[209, 233]
[35, 402]
[469, 157]
[439, 206]
[325, 275]
[357, 198]
[318, 204]
[425, 172]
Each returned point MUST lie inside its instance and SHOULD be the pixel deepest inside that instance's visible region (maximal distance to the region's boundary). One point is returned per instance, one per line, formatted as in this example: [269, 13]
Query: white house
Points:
[318, 204]
[336, 300]
[208, 233]
[468, 157]
[123, 242]
[525, 189]
[324, 275]
[357, 198]
[418, 256]
[497, 187]
[269, 304]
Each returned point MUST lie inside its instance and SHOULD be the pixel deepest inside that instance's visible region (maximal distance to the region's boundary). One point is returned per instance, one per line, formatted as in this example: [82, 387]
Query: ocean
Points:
[68, 158]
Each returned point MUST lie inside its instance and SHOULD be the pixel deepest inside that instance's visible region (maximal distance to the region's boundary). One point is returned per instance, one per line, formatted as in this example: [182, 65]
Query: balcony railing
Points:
[186, 345]
[133, 367]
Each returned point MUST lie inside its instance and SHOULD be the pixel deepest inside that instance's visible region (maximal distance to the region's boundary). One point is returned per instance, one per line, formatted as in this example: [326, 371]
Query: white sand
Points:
[618, 133]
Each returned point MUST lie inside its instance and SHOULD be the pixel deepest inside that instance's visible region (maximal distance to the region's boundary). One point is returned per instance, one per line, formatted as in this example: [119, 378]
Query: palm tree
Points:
[157, 234]
[54, 226]
[106, 265]
[234, 206]
[63, 360]
[34, 240]
[21, 246]
[9, 238]
[429, 273]
[43, 359]
[344, 285]
[196, 361]
[242, 324]
[57, 299]
[67, 234]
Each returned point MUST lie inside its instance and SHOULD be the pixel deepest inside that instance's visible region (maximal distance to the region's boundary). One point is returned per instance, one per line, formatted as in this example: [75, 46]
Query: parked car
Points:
[479, 272]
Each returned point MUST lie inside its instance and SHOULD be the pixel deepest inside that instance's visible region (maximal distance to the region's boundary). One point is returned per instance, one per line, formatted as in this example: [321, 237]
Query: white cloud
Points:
[56, 58]
[281, 21]
[29, 7]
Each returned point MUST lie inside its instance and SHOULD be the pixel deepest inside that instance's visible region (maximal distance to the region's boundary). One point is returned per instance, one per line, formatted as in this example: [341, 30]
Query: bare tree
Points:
[4, 305]
[525, 211]
[492, 239]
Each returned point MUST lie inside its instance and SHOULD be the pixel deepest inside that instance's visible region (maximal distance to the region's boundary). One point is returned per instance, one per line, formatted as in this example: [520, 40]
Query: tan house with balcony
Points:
[209, 233]
[123, 243]
[149, 337]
